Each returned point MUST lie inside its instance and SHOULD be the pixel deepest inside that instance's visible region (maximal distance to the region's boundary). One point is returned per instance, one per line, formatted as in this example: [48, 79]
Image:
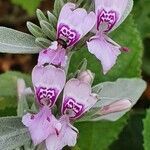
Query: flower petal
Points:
[127, 10]
[40, 125]
[48, 82]
[73, 23]
[67, 136]
[105, 51]
[66, 11]
[77, 98]
[52, 55]
[115, 12]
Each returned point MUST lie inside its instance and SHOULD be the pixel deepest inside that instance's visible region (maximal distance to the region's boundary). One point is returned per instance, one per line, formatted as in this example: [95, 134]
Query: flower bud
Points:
[116, 107]
[86, 76]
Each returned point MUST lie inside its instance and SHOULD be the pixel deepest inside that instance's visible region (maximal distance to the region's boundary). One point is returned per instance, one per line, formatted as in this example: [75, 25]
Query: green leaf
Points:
[110, 92]
[13, 133]
[8, 89]
[35, 30]
[146, 133]
[43, 42]
[12, 41]
[52, 19]
[99, 135]
[141, 15]
[58, 4]
[128, 64]
[131, 137]
[40, 15]
[48, 30]
[29, 5]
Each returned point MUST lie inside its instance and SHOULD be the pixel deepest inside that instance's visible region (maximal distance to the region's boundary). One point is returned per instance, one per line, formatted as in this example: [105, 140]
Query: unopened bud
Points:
[116, 107]
[86, 76]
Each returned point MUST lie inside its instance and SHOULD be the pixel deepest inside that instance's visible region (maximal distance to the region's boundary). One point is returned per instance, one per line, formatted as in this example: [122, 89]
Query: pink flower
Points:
[66, 136]
[110, 14]
[48, 82]
[74, 23]
[77, 98]
[41, 125]
[55, 55]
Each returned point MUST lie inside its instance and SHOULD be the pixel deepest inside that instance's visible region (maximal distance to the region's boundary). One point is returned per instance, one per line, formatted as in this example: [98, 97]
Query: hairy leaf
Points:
[13, 133]
[48, 30]
[43, 42]
[12, 41]
[110, 92]
[58, 4]
[35, 30]
[40, 15]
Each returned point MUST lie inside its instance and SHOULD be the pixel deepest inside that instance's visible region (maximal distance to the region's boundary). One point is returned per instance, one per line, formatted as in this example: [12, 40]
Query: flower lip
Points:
[74, 23]
[67, 35]
[48, 83]
[46, 97]
[108, 17]
[72, 108]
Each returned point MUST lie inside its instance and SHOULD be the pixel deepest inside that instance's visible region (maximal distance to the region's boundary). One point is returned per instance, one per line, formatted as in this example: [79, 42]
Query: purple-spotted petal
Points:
[105, 50]
[113, 13]
[52, 55]
[41, 125]
[74, 23]
[66, 136]
[77, 98]
[48, 82]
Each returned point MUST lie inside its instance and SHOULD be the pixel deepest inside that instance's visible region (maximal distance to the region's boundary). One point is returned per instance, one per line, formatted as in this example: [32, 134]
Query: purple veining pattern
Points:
[109, 17]
[70, 35]
[46, 96]
[70, 104]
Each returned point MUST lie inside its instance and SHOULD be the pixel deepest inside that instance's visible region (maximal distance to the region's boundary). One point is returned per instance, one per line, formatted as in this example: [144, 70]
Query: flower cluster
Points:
[61, 102]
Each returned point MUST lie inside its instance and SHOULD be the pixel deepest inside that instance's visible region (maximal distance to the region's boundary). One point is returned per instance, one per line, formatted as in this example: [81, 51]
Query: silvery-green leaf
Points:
[35, 30]
[12, 41]
[58, 6]
[48, 29]
[52, 19]
[40, 15]
[110, 92]
[13, 133]
[43, 42]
